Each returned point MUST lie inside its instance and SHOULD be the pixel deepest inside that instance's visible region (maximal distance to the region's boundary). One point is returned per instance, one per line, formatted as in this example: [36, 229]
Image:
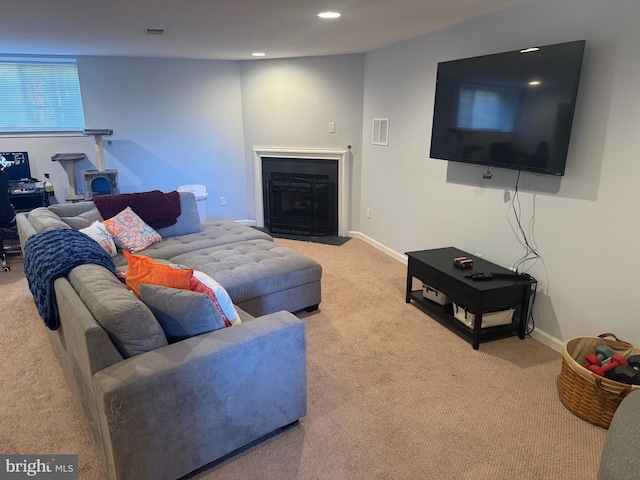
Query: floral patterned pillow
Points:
[99, 233]
[130, 232]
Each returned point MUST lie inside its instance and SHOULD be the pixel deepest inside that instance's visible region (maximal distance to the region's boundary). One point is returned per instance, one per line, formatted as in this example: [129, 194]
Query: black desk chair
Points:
[8, 228]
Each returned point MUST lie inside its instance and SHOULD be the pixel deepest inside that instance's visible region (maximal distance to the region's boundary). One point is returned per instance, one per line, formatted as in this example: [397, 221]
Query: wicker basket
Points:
[587, 395]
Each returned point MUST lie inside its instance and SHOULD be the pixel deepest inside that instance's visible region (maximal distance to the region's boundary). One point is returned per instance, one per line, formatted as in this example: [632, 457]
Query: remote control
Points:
[480, 277]
[512, 276]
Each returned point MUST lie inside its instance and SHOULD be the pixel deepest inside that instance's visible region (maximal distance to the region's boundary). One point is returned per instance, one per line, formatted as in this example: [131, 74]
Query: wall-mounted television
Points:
[511, 110]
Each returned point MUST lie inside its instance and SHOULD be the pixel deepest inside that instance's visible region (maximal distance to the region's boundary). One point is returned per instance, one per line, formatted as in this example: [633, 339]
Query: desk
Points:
[24, 202]
[435, 268]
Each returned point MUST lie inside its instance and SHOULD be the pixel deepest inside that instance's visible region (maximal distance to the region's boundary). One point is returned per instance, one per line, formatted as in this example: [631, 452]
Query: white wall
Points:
[289, 103]
[182, 121]
[174, 122]
[584, 227]
[42, 148]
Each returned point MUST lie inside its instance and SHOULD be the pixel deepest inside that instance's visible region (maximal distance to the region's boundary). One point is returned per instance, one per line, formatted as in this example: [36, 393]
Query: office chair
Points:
[8, 228]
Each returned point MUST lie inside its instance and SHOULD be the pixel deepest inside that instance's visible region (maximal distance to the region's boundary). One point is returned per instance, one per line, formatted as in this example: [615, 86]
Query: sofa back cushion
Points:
[77, 215]
[43, 220]
[188, 221]
[132, 327]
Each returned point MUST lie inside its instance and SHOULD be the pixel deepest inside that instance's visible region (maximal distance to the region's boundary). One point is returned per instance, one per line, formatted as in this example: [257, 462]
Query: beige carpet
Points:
[392, 393]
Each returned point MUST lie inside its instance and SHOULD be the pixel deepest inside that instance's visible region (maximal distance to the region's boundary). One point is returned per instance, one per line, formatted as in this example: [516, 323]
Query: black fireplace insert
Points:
[301, 196]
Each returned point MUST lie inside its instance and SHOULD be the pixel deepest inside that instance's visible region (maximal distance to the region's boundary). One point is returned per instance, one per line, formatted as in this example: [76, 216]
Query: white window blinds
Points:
[40, 95]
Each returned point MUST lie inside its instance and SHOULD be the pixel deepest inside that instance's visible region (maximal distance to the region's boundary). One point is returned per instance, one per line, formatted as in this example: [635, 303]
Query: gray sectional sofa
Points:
[170, 410]
[620, 459]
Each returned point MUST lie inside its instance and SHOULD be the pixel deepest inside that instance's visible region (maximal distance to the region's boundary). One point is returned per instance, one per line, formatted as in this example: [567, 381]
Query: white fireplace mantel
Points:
[340, 155]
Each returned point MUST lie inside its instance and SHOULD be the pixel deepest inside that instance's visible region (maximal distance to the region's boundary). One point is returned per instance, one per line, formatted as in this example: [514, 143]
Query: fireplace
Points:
[301, 196]
[303, 190]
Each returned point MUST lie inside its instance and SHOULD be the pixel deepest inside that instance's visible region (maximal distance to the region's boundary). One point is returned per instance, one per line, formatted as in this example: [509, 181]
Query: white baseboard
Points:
[546, 339]
[392, 253]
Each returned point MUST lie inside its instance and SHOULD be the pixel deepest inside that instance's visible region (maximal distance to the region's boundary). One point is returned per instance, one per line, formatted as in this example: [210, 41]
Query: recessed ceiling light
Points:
[529, 50]
[329, 14]
[534, 82]
[259, 54]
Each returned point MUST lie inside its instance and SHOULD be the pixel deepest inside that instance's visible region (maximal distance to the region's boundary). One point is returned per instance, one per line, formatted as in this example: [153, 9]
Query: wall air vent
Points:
[380, 131]
[155, 31]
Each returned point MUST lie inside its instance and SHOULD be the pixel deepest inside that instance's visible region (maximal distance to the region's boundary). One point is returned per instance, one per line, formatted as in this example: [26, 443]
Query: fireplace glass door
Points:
[301, 197]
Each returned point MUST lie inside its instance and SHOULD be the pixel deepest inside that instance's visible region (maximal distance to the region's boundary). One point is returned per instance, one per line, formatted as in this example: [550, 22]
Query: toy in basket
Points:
[588, 395]
[606, 363]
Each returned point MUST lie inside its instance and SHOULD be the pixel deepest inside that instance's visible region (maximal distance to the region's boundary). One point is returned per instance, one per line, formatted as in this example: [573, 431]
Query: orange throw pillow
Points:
[147, 270]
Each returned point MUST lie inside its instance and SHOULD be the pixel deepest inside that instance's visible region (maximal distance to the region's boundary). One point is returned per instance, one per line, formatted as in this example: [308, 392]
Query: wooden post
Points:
[97, 134]
[68, 163]
[100, 153]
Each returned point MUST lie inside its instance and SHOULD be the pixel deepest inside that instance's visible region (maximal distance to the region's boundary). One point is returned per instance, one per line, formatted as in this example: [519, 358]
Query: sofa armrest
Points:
[620, 459]
[169, 411]
[25, 229]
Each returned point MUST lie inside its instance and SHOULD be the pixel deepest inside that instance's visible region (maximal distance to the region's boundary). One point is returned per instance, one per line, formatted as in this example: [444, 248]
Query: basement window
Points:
[40, 95]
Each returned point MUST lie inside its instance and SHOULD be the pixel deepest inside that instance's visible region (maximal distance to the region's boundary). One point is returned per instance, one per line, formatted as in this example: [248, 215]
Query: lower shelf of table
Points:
[444, 316]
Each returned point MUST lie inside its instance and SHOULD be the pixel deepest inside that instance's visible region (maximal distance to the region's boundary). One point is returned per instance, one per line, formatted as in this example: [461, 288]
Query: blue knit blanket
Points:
[52, 254]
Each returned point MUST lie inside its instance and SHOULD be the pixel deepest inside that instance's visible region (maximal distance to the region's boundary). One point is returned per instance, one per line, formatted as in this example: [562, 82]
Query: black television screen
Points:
[511, 110]
[16, 164]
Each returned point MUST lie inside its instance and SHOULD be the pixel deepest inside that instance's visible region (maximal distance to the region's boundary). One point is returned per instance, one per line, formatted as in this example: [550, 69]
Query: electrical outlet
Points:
[223, 201]
[332, 127]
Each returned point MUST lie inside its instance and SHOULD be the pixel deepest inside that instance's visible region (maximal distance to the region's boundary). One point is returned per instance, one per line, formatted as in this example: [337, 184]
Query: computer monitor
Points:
[16, 164]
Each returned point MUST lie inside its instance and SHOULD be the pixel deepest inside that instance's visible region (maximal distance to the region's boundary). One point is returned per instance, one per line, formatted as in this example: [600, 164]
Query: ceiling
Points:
[224, 29]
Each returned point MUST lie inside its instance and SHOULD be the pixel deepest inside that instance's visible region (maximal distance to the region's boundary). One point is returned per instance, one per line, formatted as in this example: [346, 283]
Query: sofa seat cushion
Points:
[220, 232]
[254, 268]
[132, 327]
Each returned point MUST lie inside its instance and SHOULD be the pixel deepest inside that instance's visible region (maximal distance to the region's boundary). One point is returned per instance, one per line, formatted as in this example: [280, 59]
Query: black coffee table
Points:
[435, 268]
